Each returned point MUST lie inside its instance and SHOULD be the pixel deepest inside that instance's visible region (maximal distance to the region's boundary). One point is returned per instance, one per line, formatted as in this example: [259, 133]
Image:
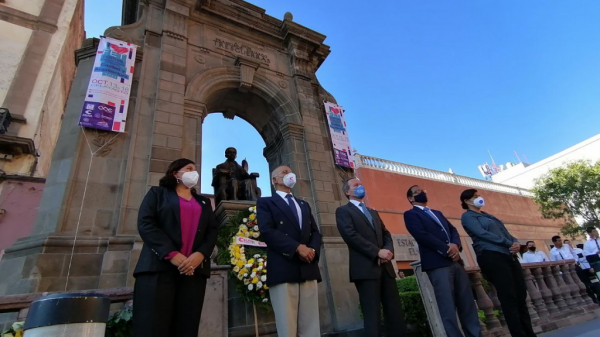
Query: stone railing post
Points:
[531, 309]
[544, 290]
[564, 288]
[582, 290]
[573, 288]
[484, 302]
[496, 301]
[551, 283]
[534, 293]
[429, 301]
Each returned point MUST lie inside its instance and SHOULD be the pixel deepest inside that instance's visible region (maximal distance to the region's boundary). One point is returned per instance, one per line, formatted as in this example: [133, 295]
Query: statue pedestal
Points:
[215, 314]
[227, 209]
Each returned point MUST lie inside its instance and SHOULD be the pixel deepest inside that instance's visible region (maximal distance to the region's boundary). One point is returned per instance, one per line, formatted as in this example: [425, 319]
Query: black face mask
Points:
[421, 197]
[532, 249]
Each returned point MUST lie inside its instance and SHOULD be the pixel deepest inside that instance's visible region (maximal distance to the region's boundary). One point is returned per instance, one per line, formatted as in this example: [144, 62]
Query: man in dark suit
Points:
[293, 247]
[371, 252]
[439, 246]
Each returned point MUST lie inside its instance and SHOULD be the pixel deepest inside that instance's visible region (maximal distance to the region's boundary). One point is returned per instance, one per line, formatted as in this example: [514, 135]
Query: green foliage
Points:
[224, 239]
[572, 190]
[482, 317]
[120, 324]
[485, 284]
[414, 312]
[412, 305]
[407, 284]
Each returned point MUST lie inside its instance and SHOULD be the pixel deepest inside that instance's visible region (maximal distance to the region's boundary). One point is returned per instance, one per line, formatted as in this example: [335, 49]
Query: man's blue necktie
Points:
[367, 213]
[292, 205]
[428, 211]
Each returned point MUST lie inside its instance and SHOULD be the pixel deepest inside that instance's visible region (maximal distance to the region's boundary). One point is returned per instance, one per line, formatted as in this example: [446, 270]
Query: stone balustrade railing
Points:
[556, 298]
[416, 171]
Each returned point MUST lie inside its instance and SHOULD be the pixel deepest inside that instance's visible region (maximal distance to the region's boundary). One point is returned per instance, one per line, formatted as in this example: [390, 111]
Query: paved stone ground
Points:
[586, 329]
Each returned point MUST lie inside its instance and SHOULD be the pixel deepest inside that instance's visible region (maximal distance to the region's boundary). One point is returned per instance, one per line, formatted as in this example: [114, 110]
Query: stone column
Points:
[582, 290]
[573, 288]
[534, 294]
[531, 309]
[484, 302]
[544, 290]
[564, 288]
[306, 52]
[167, 136]
[497, 306]
[429, 301]
[556, 292]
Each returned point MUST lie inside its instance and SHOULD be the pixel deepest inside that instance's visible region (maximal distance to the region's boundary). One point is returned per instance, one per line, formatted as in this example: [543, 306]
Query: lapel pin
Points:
[281, 222]
[203, 202]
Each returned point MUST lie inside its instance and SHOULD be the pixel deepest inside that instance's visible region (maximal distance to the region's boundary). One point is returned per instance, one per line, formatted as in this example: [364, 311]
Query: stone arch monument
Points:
[195, 57]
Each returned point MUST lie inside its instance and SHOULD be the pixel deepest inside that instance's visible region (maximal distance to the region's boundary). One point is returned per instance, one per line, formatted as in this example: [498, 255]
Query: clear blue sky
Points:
[439, 83]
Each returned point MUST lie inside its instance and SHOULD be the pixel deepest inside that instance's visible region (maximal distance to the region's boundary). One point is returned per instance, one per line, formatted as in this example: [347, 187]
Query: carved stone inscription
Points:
[405, 248]
[241, 49]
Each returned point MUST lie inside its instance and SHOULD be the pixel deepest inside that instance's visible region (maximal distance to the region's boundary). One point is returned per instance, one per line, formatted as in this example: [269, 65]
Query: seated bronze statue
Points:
[232, 181]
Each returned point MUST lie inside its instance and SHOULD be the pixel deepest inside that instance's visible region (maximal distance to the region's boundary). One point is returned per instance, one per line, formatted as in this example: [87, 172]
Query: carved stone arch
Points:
[283, 110]
[263, 105]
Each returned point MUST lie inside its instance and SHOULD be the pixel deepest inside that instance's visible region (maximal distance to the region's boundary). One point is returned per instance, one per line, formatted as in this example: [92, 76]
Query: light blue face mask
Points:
[360, 192]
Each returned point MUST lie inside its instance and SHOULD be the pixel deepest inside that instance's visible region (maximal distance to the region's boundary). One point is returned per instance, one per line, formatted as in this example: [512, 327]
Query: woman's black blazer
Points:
[159, 225]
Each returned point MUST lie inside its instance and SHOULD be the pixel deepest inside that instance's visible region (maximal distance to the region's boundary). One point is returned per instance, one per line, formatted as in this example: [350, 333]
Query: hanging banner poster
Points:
[339, 135]
[107, 96]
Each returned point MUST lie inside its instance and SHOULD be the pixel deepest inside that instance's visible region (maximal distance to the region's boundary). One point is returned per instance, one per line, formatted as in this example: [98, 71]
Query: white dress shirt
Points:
[536, 257]
[283, 196]
[357, 204]
[591, 247]
[564, 253]
[583, 262]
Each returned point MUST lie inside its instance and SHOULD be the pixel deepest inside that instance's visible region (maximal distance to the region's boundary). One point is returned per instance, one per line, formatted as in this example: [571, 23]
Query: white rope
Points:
[87, 178]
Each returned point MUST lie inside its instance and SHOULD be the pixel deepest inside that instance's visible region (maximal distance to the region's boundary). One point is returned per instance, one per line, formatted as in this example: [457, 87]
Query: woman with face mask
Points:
[496, 251]
[179, 231]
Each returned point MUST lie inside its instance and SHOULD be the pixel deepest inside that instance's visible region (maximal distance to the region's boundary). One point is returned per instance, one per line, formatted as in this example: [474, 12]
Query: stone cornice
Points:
[290, 28]
[192, 107]
[90, 46]
[26, 20]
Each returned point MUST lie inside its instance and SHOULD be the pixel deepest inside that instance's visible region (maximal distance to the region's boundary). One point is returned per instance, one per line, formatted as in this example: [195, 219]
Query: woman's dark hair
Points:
[169, 181]
[467, 195]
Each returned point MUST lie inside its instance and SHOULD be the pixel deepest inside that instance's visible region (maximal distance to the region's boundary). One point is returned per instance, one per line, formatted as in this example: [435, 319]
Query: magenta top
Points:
[190, 211]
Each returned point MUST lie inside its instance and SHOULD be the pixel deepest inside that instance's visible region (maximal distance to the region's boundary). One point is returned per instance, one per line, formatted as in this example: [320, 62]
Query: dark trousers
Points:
[454, 294]
[167, 304]
[375, 294]
[504, 272]
[592, 289]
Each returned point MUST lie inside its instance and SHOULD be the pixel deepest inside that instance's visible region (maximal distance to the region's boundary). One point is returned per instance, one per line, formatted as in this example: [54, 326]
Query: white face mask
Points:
[478, 202]
[189, 179]
[289, 180]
